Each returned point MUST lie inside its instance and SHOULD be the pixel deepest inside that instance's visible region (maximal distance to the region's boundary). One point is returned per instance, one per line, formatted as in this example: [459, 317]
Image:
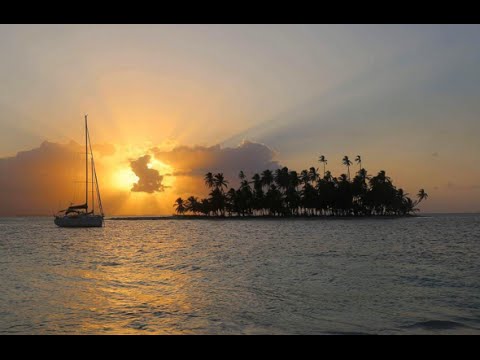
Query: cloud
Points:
[191, 163]
[149, 179]
[249, 156]
[34, 181]
[46, 179]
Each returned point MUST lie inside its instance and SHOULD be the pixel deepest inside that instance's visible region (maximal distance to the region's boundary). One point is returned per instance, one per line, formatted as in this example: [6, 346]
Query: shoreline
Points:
[244, 218]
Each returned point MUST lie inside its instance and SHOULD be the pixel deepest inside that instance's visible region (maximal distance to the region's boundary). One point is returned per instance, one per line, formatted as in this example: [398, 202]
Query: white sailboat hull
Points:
[80, 220]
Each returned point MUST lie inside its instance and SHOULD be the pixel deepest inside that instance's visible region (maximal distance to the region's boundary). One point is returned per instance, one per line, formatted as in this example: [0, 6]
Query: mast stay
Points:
[86, 165]
[94, 177]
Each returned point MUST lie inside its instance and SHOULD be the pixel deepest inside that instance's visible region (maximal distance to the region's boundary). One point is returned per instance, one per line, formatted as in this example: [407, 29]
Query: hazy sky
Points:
[405, 97]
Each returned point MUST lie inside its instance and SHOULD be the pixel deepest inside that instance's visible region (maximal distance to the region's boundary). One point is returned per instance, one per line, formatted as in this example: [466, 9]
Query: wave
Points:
[438, 325]
[110, 263]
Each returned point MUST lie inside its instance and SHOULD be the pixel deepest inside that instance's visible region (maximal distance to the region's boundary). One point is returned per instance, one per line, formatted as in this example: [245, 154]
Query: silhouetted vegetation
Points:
[284, 192]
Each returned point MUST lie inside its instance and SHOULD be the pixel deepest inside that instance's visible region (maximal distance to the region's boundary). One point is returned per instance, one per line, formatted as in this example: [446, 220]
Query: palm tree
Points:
[362, 173]
[304, 177]
[410, 206]
[232, 203]
[267, 178]
[282, 178]
[323, 160]
[308, 199]
[217, 201]
[179, 206]
[220, 182]
[205, 207]
[294, 181]
[328, 176]
[346, 161]
[286, 193]
[313, 174]
[258, 196]
[358, 160]
[209, 180]
[192, 205]
[273, 200]
[422, 195]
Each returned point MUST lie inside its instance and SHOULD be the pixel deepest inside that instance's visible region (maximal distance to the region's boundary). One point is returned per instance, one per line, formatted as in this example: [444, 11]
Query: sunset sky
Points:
[187, 99]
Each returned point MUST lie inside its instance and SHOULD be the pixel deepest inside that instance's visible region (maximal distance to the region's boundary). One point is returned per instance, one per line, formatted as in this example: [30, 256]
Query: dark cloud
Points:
[249, 156]
[36, 181]
[48, 178]
[149, 180]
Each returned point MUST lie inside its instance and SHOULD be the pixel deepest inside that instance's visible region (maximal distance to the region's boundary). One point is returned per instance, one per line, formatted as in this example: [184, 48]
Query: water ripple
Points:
[402, 276]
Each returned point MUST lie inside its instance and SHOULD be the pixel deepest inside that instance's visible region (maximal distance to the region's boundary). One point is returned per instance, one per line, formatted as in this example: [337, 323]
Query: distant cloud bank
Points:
[42, 180]
[197, 160]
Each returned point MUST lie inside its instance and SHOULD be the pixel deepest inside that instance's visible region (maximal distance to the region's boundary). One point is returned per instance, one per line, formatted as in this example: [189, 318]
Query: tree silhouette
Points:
[220, 182]
[313, 175]
[180, 206]
[358, 160]
[209, 180]
[346, 161]
[285, 192]
[192, 205]
[267, 178]
[304, 177]
[422, 195]
[323, 160]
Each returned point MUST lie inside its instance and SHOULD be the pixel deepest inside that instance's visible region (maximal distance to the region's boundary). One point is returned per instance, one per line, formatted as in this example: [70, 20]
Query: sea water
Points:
[315, 276]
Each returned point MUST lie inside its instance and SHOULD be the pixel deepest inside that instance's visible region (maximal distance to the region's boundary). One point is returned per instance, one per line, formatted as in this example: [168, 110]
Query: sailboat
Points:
[79, 215]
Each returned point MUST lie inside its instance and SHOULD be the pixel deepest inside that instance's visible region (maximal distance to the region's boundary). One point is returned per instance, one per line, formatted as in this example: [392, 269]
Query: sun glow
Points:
[124, 179]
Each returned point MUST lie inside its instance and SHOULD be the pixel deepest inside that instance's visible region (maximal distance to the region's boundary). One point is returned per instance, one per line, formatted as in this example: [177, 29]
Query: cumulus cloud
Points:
[149, 179]
[48, 178]
[197, 160]
[32, 182]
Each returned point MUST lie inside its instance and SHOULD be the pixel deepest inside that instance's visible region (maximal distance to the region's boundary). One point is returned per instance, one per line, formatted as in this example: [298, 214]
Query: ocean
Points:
[418, 275]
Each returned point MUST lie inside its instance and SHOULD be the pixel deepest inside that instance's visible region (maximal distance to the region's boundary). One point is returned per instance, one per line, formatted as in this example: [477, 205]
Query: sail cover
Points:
[73, 208]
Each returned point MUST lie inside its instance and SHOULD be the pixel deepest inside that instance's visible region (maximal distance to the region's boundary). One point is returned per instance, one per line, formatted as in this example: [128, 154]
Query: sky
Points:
[166, 103]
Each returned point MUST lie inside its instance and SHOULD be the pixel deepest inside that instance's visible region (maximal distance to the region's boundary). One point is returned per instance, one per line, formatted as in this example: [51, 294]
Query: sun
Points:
[124, 179]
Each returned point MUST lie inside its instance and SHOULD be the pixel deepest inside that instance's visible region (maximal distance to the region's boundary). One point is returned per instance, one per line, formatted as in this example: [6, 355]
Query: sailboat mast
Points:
[95, 180]
[86, 165]
[93, 189]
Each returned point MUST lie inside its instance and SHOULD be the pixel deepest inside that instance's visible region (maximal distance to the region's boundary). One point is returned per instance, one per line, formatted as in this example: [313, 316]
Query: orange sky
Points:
[403, 97]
